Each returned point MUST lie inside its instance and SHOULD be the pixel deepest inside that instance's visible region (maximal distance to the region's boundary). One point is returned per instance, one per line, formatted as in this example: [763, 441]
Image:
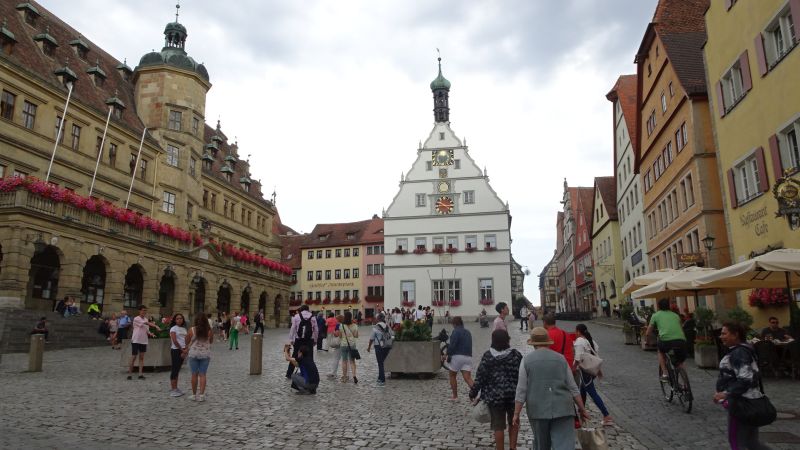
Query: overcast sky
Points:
[331, 98]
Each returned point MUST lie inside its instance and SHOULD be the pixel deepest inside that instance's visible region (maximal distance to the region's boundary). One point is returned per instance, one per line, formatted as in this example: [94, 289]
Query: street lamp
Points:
[708, 242]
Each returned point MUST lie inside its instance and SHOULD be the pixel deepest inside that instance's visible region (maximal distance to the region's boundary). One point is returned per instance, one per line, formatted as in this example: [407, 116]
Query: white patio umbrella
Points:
[647, 279]
[776, 269]
[680, 284]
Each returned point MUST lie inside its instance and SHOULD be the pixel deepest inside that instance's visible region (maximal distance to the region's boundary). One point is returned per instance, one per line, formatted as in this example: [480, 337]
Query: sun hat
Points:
[539, 337]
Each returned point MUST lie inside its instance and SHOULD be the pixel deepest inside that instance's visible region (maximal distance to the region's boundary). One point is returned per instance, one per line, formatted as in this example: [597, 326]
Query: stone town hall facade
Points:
[446, 233]
[174, 222]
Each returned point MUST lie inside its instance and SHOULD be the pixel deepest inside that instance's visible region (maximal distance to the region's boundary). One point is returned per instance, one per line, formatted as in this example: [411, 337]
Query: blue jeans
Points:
[588, 387]
[381, 354]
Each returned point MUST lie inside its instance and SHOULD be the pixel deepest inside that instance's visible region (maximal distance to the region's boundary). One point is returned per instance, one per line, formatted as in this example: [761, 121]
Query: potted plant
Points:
[648, 340]
[705, 350]
[737, 314]
[413, 350]
[627, 327]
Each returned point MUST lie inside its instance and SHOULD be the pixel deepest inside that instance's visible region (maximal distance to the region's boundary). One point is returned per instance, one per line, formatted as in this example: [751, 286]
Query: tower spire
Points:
[441, 95]
[177, 10]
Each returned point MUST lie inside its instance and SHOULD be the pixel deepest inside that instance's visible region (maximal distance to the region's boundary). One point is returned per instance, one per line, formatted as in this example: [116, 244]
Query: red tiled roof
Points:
[608, 192]
[290, 249]
[241, 168]
[336, 234]
[586, 198]
[28, 57]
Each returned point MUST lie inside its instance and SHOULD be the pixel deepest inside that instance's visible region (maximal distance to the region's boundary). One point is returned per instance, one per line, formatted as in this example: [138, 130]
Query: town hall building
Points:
[446, 232]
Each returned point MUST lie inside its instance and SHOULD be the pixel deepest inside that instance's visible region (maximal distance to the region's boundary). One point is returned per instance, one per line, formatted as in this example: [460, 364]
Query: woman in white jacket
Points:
[585, 344]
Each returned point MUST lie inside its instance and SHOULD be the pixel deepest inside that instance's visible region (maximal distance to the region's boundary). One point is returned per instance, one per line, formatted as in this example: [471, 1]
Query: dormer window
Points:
[323, 237]
[46, 42]
[125, 71]
[116, 106]
[7, 39]
[29, 13]
[351, 236]
[48, 48]
[97, 74]
[80, 47]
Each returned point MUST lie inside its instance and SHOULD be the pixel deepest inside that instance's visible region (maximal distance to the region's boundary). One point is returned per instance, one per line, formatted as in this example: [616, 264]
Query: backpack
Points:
[304, 330]
[124, 321]
[386, 339]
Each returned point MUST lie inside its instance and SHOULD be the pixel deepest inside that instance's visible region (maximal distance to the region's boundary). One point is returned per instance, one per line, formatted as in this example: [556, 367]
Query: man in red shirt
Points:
[562, 341]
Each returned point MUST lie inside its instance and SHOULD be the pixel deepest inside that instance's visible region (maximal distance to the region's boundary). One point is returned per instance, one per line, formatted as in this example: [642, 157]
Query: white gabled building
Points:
[446, 232]
[630, 200]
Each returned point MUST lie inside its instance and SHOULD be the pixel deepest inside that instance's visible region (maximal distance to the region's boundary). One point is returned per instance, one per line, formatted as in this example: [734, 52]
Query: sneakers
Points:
[175, 393]
[608, 421]
[130, 377]
[201, 398]
[355, 380]
[381, 383]
[141, 377]
[193, 397]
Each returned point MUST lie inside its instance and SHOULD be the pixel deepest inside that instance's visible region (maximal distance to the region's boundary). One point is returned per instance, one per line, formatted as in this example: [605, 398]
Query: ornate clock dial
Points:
[444, 205]
[442, 157]
[443, 187]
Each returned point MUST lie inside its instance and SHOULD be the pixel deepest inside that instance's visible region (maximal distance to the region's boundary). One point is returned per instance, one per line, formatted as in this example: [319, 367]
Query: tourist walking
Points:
[459, 356]
[496, 383]
[141, 331]
[236, 326]
[302, 332]
[177, 336]
[123, 324]
[382, 339]
[500, 321]
[334, 340]
[523, 317]
[226, 325]
[547, 389]
[198, 350]
[322, 329]
[585, 344]
[349, 353]
[562, 341]
[739, 380]
[245, 321]
[259, 321]
[113, 328]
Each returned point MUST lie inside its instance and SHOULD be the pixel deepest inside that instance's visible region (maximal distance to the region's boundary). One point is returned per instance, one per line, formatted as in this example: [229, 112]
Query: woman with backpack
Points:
[382, 339]
[496, 382]
[348, 333]
[584, 344]
[198, 350]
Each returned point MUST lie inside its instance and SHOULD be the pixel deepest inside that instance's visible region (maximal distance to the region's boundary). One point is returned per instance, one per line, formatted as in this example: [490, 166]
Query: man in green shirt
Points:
[670, 335]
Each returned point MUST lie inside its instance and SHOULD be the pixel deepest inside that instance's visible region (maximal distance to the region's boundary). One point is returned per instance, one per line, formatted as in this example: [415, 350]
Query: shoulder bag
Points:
[353, 351]
[333, 340]
[480, 412]
[755, 412]
[590, 362]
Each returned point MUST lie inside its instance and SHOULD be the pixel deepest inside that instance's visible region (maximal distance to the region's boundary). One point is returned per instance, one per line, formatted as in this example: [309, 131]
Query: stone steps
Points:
[72, 332]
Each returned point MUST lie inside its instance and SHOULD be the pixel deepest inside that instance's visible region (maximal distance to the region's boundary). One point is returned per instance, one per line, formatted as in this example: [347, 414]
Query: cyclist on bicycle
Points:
[670, 335]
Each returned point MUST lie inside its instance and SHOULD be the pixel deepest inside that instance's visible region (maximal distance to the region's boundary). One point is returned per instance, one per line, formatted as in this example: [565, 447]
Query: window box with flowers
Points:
[317, 301]
[489, 248]
[373, 299]
[437, 303]
[400, 251]
[470, 249]
[487, 301]
[765, 298]
[295, 302]
[326, 301]
[437, 250]
[336, 301]
[309, 301]
[455, 302]
[408, 303]
[420, 251]
[452, 250]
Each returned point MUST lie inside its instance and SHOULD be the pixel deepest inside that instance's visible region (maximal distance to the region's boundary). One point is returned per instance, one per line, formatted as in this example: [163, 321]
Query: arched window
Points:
[134, 281]
[44, 274]
[93, 284]
[613, 286]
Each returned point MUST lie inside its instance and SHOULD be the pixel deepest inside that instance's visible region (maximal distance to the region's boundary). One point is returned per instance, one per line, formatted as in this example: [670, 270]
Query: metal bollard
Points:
[256, 342]
[36, 353]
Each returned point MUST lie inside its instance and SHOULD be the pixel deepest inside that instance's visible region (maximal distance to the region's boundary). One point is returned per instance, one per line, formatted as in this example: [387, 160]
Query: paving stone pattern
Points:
[82, 400]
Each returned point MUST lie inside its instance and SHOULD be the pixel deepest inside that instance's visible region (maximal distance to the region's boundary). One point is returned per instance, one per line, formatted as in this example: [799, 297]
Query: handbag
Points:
[592, 438]
[756, 412]
[480, 412]
[333, 340]
[590, 363]
[353, 351]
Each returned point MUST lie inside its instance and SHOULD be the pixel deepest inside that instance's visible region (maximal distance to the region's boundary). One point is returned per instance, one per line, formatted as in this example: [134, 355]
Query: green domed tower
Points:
[441, 97]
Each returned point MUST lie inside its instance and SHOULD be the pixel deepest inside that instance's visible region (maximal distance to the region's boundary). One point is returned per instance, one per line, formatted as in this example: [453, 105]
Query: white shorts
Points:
[460, 363]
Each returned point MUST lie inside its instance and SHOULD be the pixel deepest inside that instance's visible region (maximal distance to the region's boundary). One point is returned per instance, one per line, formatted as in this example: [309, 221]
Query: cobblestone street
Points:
[82, 400]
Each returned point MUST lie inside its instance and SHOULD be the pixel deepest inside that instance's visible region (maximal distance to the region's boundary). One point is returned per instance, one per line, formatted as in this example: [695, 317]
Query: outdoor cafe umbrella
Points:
[776, 269]
[647, 279]
[679, 284]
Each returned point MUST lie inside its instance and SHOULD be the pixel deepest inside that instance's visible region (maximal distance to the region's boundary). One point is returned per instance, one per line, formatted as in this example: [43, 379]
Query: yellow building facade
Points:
[753, 63]
[606, 244]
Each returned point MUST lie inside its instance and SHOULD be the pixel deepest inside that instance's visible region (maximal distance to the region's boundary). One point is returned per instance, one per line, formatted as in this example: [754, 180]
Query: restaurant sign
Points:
[787, 193]
[688, 259]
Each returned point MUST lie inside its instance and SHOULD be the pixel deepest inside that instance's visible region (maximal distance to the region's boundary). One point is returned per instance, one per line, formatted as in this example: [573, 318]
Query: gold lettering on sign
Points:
[749, 218]
[331, 285]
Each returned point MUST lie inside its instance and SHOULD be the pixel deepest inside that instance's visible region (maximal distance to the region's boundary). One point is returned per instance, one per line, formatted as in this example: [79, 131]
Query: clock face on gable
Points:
[444, 205]
[442, 157]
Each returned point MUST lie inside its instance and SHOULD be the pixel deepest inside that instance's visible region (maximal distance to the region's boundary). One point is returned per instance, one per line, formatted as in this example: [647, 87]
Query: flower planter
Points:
[630, 336]
[157, 355]
[414, 357]
[705, 356]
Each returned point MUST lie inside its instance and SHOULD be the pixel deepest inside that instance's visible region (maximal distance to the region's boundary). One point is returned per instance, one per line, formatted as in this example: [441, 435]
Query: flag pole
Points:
[60, 130]
[100, 151]
[135, 167]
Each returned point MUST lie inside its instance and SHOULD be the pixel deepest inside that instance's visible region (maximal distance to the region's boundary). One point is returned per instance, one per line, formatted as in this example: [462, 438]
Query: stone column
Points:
[73, 259]
[183, 294]
[16, 264]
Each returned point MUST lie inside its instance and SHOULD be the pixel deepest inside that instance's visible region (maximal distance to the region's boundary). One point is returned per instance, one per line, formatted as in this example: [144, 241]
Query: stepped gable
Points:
[624, 91]
[29, 58]
[608, 192]
[240, 170]
[336, 234]
[681, 26]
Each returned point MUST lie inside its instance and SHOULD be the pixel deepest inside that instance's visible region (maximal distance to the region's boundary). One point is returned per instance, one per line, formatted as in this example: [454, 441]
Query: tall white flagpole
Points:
[135, 167]
[100, 152]
[60, 130]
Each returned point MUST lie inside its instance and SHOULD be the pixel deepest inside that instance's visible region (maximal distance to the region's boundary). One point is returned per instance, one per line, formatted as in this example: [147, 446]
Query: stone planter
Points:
[705, 356]
[414, 357]
[630, 337]
[157, 355]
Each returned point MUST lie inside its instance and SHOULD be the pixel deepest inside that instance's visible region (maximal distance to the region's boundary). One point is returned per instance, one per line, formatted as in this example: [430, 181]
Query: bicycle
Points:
[676, 384]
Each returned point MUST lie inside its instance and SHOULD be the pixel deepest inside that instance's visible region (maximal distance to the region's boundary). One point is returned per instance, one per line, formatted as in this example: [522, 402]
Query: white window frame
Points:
[780, 37]
[663, 103]
[408, 291]
[452, 242]
[732, 86]
[420, 243]
[173, 155]
[168, 202]
[490, 241]
[471, 241]
[789, 146]
[469, 197]
[438, 242]
[175, 120]
[419, 200]
[401, 244]
[745, 175]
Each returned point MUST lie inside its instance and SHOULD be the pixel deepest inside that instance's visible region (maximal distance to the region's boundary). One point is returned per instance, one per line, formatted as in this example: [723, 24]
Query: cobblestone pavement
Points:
[631, 392]
[82, 400]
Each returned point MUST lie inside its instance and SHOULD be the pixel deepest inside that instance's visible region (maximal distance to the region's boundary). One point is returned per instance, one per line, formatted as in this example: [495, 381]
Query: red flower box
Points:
[437, 250]
[420, 251]
[326, 301]
[490, 249]
[437, 303]
[400, 251]
[452, 250]
[470, 249]
[455, 303]
[407, 303]
[486, 301]
[764, 298]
